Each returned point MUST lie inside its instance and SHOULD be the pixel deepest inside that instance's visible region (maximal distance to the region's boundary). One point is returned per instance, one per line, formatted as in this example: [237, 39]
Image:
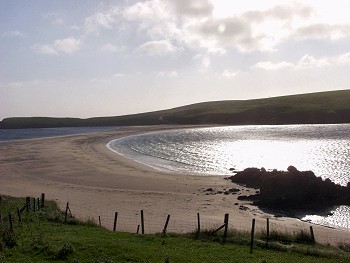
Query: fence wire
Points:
[188, 222]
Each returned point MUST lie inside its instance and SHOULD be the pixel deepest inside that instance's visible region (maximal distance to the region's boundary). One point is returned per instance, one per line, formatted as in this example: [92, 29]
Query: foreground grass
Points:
[43, 237]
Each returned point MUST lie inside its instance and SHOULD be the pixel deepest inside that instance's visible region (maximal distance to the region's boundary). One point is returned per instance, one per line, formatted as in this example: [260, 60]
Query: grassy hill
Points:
[322, 107]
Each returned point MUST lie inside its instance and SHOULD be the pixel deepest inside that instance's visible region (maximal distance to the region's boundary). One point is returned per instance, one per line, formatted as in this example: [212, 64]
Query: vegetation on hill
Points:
[42, 236]
[322, 107]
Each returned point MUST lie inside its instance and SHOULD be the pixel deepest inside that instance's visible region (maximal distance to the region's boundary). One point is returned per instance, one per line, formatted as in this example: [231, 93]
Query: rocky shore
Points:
[291, 189]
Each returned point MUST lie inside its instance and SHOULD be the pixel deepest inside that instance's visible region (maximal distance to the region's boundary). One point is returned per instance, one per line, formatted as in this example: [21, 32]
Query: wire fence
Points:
[189, 222]
[143, 221]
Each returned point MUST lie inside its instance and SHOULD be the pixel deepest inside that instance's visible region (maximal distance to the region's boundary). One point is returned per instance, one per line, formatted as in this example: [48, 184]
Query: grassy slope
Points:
[42, 237]
[322, 107]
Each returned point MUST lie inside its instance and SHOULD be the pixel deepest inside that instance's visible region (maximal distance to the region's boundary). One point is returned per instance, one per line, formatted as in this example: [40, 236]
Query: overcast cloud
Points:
[118, 57]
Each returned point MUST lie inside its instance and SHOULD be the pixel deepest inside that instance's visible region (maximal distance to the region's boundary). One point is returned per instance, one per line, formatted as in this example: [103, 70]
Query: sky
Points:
[109, 58]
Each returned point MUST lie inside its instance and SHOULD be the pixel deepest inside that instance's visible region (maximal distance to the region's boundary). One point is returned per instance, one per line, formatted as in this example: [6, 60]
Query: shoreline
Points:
[81, 170]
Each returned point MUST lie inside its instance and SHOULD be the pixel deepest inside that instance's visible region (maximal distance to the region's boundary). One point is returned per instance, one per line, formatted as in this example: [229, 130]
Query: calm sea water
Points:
[323, 149]
[21, 134]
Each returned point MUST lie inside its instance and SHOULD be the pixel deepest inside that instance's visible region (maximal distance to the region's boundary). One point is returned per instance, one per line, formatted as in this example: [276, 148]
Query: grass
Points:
[43, 237]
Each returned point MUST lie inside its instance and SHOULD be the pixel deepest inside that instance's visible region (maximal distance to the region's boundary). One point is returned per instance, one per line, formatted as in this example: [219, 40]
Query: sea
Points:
[23, 134]
[323, 149]
[216, 151]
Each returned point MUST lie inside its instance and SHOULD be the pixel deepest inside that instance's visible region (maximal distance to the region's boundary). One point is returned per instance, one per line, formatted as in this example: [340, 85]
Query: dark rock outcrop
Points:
[291, 189]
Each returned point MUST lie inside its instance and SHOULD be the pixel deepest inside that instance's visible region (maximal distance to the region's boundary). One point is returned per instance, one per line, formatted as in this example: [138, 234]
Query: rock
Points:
[243, 197]
[292, 189]
[242, 207]
[292, 169]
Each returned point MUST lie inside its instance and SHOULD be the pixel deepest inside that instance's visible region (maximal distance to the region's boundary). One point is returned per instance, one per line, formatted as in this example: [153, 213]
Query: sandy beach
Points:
[81, 170]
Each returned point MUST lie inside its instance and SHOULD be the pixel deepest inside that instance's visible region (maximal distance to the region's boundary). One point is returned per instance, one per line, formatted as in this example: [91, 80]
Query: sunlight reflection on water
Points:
[323, 149]
[339, 217]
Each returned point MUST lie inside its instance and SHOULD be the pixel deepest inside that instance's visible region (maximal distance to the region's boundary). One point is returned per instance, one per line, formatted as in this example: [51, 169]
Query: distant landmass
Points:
[314, 108]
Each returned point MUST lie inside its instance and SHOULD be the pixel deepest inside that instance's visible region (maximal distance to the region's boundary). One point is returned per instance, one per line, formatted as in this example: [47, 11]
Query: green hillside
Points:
[322, 107]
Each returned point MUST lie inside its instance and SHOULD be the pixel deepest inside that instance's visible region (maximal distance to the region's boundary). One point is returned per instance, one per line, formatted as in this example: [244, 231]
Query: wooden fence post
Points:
[10, 221]
[226, 226]
[252, 236]
[198, 224]
[142, 223]
[312, 234]
[267, 231]
[42, 200]
[1, 225]
[19, 215]
[166, 224]
[28, 203]
[66, 213]
[38, 201]
[99, 220]
[34, 204]
[138, 229]
[115, 221]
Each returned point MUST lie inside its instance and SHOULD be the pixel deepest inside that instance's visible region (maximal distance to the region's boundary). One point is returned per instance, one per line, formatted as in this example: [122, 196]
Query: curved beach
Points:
[81, 170]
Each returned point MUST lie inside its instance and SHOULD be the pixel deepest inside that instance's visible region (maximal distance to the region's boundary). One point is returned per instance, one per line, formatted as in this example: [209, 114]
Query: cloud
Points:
[152, 19]
[344, 59]
[45, 49]
[268, 65]
[307, 61]
[170, 74]
[58, 21]
[229, 74]
[13, 33]
[227, 32]
[112, 48]
[156, 48]
[68, 45]
[153, 10]
[192, 7]
[55, 18]
[193, 25]
[279, 12]
[323, 31]
[102, 20]
[247, 31]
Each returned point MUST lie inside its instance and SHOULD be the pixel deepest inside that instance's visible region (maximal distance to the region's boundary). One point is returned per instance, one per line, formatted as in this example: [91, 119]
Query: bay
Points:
[23, 134]
[323, 149]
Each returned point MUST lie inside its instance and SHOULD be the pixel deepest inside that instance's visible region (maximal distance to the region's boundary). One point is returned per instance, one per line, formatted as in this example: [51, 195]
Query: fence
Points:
[188, 222]
[143, 222]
